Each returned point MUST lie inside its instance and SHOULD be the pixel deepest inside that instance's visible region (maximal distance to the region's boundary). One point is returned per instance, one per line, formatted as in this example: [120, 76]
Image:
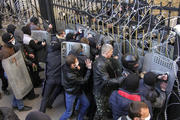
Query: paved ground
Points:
[55, 113]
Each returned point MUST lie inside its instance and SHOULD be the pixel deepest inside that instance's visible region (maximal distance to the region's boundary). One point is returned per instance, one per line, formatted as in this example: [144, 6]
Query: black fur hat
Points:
[132, 82]
[150, 78]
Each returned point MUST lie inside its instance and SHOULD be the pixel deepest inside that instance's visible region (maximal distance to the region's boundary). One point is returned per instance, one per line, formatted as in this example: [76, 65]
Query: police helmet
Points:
[129, 60]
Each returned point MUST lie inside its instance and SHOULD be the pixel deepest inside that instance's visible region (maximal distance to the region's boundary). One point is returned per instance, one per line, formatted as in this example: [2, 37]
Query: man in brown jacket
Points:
[6, 51]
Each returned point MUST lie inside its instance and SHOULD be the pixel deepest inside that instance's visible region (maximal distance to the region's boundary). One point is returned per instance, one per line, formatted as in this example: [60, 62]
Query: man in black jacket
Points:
[52, 86]
[104, 81]
[72, 83]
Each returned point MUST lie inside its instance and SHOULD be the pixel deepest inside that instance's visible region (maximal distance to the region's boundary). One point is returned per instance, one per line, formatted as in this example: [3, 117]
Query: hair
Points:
[36, 115]
[70, 59]
[6, 37]
[131, 82]
[11, 28]
[106, 48]
[77, 48]
[84, 40]
[26, 30]
[135, 109]
[60, 32]
[69, 36]
[34, 20]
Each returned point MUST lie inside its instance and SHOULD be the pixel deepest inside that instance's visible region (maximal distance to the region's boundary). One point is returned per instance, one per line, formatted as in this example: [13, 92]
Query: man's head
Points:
[8, 39]
[11, 28]
[70, 36]
[61, 34]
[26, 30]
[132, 82]
[150, 79]
[107, 50]
[77, 48]
[36, 115]
[138, 111]
[72, 61]
[84, 40]
[34, 20]
[130, 61]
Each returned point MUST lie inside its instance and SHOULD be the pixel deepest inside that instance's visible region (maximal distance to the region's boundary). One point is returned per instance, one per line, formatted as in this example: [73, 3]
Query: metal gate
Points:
[132, 21]
[19, 11]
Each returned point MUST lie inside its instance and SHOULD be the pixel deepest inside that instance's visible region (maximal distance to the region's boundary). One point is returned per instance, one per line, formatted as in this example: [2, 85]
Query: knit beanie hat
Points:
[150, 78]
[36, 115]
[132, 82]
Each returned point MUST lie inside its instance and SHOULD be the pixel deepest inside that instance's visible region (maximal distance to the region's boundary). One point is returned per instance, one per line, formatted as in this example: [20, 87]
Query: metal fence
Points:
[19, 11]
[133, 21]
[139, 23]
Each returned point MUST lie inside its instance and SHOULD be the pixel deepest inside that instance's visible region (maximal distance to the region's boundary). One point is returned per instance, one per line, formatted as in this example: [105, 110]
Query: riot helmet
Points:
[129, 61]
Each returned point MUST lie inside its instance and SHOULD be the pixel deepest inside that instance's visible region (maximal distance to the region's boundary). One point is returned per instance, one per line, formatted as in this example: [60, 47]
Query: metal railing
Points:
[129, 20]
[19, 11]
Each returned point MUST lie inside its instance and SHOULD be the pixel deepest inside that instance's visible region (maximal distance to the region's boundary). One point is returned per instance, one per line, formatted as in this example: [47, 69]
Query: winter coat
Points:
[6, 52]
[119, 102]
[155, 96]
[53, 65]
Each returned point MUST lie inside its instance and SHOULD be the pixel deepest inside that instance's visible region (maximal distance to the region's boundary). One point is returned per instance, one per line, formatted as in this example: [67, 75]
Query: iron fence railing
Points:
[133, 21]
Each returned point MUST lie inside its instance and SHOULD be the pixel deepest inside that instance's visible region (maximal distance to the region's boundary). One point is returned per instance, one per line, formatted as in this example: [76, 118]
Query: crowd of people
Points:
[106, 85]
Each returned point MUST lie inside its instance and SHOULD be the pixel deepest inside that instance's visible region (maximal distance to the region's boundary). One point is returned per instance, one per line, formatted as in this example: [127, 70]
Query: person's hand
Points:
[50, 26]
[31, 56]
[142, 74]
[163, 77]
[43, 43]
[98, 47]
[88, 63]
[36, 41]
[96, 56]
[33, 65]
[89, 35]
[80, 30]
[115, 57]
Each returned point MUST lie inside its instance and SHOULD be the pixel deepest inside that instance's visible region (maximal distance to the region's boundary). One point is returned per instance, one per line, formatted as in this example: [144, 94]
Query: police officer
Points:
[52, 86]
[130, 64]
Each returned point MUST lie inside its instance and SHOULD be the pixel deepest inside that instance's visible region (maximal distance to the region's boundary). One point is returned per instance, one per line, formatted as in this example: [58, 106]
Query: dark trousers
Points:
[36, 81]
[3, 78]
[31, 94]
[51, 91]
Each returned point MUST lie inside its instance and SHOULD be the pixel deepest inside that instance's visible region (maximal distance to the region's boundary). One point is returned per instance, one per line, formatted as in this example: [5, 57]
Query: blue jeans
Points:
[77, 105]
[70, 99]
[17, 103]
